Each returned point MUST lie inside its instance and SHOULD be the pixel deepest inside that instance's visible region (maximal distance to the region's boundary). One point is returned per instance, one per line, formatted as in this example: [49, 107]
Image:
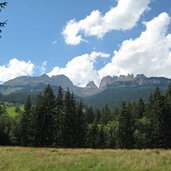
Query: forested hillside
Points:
[59, 121]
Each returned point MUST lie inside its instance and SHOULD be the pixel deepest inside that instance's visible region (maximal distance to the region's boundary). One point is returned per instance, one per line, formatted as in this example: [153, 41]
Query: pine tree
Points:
[89, 115]
[25, 123]
[158, 115]
[139, 108]
[92, 135]
[69, 124]
[59, 119]
[100, 136]
[44, 118]
[80, 127]
[168, 119]
[4, 126]
[105, 114]
[125, 127]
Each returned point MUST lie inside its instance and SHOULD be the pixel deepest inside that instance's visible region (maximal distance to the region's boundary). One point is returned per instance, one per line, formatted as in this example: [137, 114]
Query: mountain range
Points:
[111, 91]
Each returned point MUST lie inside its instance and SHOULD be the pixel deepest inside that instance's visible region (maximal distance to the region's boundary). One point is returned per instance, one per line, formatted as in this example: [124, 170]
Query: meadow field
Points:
[53, 159]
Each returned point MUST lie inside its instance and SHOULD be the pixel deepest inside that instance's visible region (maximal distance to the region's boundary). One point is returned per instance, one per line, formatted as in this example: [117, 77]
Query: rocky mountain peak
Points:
[44, 76]
[128, 77]
[91, 84]
[132, 81]
[105, 81]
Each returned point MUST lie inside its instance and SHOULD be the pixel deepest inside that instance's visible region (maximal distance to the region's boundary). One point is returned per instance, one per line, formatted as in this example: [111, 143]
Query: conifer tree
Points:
[168, 125]
[59, 119]
[4, 126]
[69, 124]
[105, 114]
[89, 115]
[25, 123]
[139, 108]
[81, 126]
[44, 118]
[92, 135]
[125, 127]
[158, 115]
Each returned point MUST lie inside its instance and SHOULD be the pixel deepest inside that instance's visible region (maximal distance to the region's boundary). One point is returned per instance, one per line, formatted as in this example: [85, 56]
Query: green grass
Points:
[51, 159]
[11, 110]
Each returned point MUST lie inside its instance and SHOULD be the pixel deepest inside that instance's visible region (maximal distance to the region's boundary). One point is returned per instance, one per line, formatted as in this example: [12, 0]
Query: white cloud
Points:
[15, 68]
[43, 67]
[122, 17]
[149, 54]
[81, 69]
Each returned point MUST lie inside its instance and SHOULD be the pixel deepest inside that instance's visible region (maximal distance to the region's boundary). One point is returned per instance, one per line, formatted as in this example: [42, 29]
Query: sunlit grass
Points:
[51, 159]
[11, 110]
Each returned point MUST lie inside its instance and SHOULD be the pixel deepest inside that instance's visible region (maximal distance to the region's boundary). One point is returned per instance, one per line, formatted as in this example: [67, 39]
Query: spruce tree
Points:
[168, 125]
[80, 126]
[4, 126]
[44, 118]
[25, 123]
[69, 124]
[105, 114]
[59, 119]
[92, 135]
[158, 115]
[125, 127]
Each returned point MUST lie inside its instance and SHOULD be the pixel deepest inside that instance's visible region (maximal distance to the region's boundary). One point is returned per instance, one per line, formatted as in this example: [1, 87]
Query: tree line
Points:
[61, 121]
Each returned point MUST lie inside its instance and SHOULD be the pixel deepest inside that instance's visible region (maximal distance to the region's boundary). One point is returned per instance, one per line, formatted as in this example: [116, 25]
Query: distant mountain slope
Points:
[131, 81]
[62, 80]
[115, 96]
[31, 84]
[112, 90]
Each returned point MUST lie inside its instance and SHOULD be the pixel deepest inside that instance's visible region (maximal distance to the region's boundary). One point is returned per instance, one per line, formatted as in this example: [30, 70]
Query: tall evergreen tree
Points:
[81, 126]
[125, 127]
[105, 114]
[89, 115]
[139, 108]
[4, 126]
[158, 115]
[25, 123]
[92, 135]
[44, 118]
[168, 125]
[69, 124]
[59, 119]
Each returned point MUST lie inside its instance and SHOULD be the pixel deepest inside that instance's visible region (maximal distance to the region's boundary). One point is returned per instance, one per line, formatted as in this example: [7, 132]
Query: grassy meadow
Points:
[11, 110]
[52, 159]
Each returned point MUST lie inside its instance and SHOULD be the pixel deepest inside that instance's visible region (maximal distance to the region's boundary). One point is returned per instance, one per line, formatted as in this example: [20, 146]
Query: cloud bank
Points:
[122, 17]
[149, 54]
[81, 69]
[15, 68]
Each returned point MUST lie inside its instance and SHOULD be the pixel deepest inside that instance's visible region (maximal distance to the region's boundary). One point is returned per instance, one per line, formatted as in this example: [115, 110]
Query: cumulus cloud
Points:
[81, 68]
[122, 17]
[15, 68]
[149, 54]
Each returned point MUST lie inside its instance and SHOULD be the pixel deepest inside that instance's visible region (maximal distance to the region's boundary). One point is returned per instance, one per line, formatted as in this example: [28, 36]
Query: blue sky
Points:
[86, 40]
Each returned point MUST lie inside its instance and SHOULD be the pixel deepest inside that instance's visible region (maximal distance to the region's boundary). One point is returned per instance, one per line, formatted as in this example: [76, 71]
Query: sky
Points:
[85, 40]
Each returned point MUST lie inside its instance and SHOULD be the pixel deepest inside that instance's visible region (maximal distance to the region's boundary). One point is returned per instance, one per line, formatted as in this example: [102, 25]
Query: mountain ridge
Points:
[111, 90]
[91, 88]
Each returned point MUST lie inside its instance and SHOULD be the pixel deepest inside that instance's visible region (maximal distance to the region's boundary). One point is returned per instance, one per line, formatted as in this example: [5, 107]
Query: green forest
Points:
[56, 119]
